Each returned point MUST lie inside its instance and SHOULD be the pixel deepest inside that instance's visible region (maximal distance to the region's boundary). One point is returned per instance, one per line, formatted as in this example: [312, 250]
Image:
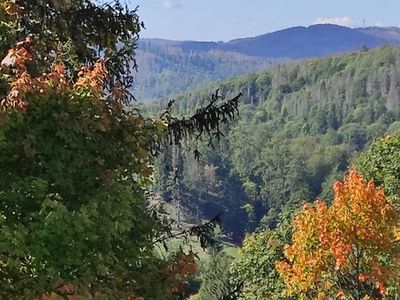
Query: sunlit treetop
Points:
[348, 249]
[382, 163]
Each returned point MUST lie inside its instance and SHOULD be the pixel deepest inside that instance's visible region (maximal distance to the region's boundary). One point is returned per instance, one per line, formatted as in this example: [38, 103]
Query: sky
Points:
[223, 20]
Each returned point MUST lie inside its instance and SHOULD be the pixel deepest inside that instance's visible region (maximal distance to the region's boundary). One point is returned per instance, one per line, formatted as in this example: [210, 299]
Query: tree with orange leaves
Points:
[347, 250]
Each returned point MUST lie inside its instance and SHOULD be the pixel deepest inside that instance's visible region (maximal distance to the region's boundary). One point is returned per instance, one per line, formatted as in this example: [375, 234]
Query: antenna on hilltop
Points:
[364, 23]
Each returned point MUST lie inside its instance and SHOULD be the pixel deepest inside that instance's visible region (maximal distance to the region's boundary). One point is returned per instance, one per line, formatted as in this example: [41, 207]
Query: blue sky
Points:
[222, 20]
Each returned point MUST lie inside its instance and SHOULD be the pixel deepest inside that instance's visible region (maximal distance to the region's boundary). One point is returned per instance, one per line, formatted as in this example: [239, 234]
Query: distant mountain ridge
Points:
[296, 42]
[168, 67]
[313, 41]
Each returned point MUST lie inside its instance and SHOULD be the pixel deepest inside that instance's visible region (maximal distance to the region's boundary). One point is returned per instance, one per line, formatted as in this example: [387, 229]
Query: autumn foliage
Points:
[22, 83]
[347, 250]
[180, 270]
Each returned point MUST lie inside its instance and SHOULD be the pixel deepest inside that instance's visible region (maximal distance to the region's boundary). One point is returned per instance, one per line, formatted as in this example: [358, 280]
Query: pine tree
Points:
[215, 285]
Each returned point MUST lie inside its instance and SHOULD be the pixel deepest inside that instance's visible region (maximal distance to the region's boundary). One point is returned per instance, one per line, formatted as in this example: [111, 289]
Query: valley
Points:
[302, 125]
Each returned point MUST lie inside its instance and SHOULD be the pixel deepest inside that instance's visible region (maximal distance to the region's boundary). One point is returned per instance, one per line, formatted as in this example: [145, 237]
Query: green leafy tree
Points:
[253, 271]
[381, 162]
[75, 165]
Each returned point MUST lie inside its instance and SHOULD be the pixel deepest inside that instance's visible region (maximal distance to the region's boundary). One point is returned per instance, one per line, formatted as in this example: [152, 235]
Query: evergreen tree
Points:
[215, 278]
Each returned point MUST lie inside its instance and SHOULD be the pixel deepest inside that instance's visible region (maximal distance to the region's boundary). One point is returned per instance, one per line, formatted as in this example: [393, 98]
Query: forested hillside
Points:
[168, 67]
[165, 68]
[301, 124]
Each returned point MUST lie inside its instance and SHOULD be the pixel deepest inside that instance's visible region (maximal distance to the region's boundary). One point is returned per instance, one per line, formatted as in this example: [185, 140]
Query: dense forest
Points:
[300, 126]
[165, 68]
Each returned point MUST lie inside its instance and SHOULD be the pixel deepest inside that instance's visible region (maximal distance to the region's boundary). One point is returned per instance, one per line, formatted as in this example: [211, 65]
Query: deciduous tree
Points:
[382, 163]
[347, 250]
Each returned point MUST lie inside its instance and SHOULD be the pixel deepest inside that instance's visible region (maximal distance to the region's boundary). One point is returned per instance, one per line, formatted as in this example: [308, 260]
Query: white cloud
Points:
[168, 4]
[343, 21]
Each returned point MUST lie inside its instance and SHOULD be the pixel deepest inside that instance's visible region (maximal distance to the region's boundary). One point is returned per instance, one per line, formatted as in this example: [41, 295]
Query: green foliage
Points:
[215, 278]
[381, 162]
[300, 125]
[72, 197]
[74, 219]
[254, 269]
[169, 69]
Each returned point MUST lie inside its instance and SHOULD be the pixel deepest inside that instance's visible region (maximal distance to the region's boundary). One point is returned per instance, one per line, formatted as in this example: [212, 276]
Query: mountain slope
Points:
[167, 70]
[301, 42]
[169, 67]
[390, 34]
[301, 125]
